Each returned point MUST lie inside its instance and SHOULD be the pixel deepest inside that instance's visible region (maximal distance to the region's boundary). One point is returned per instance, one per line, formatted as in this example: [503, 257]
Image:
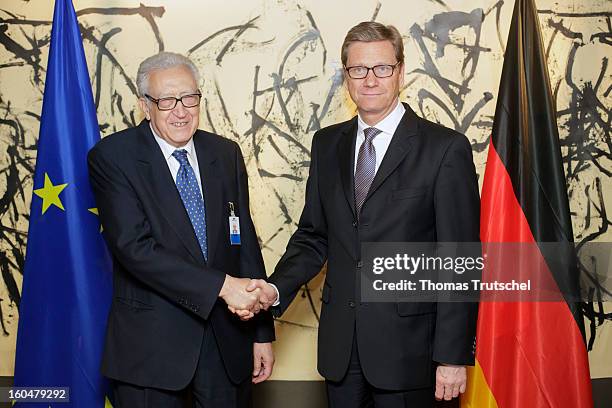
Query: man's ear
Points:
[401, 75]
[144, 106]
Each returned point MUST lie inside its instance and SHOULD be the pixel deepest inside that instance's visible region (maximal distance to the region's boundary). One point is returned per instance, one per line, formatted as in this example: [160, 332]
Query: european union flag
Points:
[67, 278]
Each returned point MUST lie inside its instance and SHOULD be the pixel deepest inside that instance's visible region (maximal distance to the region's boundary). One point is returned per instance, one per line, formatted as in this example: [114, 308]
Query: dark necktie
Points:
[366, 167]
[187, 185]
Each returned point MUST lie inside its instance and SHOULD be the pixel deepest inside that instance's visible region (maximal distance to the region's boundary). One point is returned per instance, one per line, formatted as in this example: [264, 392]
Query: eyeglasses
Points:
[380, 71]
[165, 104]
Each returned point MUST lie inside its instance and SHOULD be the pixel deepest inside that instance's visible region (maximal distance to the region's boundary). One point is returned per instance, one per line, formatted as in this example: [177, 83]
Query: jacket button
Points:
[354, 224]
[359, 264]
[351, 303]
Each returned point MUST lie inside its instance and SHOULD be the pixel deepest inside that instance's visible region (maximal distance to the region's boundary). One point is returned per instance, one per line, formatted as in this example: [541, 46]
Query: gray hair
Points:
[162, 60]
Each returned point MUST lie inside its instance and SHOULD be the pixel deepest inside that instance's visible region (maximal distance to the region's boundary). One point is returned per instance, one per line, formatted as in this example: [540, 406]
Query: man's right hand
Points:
[268, 294]
[243, 302]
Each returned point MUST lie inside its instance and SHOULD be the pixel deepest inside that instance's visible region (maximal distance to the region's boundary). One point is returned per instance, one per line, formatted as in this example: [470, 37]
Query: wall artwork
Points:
[271, 76]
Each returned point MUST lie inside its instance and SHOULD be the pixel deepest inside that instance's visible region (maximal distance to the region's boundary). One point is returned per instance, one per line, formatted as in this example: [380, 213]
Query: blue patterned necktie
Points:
[187, 185]
[366, 167]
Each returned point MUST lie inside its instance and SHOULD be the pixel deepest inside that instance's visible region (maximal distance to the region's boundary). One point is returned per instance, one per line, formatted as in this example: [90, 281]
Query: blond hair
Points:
[369, 31]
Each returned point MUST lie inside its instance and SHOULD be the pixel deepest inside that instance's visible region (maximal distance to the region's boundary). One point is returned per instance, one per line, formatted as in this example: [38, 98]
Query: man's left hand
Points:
[450, 381]
[263, 361]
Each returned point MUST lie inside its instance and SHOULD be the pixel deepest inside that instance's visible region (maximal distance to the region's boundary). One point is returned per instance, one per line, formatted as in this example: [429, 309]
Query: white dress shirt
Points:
[381, 142]
[173, 164]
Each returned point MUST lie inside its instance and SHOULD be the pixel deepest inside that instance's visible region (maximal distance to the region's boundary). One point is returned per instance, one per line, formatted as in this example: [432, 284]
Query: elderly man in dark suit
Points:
[386, 175]
[167, 194]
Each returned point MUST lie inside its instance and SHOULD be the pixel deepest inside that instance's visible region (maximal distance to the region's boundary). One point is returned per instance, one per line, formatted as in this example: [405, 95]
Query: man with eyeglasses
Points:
[168, 195]
[386, 175]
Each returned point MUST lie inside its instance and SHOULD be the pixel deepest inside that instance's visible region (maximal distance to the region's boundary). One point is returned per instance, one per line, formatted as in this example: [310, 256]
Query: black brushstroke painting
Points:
[283, 116]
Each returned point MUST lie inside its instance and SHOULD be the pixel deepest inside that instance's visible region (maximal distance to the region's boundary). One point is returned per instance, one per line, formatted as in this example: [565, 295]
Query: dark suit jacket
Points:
[425, 190]
[164, 291]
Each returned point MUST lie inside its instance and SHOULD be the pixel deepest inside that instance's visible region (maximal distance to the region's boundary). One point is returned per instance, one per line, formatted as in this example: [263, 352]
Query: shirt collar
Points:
[167, 149]
[388, 124]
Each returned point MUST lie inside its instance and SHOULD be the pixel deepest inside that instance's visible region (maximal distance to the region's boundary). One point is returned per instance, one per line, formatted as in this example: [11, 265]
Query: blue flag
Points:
[67, 279]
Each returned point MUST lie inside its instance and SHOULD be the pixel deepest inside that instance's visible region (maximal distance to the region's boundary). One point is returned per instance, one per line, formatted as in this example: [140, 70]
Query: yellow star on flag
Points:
[95, 211]
[50, 194]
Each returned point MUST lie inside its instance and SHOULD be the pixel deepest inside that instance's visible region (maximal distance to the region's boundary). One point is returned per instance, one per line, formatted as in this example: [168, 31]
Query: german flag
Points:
[528, 354]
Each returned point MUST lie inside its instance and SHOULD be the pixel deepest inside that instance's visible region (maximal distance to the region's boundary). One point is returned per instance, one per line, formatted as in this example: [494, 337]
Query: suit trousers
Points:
[209, 388]
[354, 391]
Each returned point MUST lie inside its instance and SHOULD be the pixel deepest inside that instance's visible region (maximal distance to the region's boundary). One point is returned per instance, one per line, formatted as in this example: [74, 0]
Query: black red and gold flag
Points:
[529, 354]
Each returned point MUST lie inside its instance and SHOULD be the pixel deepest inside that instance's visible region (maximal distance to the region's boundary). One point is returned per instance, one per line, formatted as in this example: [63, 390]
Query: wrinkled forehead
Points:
[173, 80]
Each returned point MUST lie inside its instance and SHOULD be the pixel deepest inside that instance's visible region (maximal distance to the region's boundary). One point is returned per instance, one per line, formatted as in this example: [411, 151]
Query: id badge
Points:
[234, 226]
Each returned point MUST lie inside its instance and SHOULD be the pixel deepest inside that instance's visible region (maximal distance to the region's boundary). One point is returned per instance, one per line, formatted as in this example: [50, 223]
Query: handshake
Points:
[246, 297]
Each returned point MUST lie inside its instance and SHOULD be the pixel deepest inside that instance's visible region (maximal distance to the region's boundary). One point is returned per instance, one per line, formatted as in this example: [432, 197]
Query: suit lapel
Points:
[207, 161]
[397, 150]
[164, 192]
[346, 160]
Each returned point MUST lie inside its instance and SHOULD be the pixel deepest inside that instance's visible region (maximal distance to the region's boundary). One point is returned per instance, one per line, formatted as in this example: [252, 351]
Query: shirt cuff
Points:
[277, 295]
